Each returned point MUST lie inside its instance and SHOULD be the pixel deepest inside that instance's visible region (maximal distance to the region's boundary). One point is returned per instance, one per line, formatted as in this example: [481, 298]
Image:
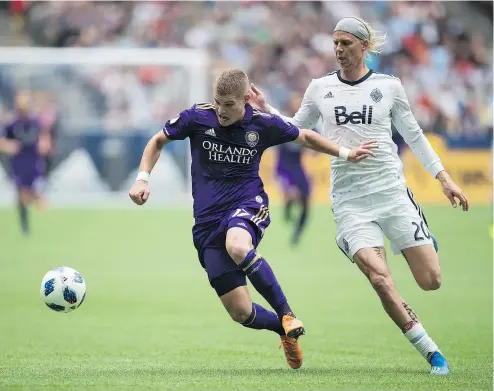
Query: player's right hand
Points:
[256, 98]
[139, 193]
[363, 151]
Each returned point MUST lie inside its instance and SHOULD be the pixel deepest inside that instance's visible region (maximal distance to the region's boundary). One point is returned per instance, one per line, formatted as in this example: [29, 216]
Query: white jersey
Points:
[359, 111]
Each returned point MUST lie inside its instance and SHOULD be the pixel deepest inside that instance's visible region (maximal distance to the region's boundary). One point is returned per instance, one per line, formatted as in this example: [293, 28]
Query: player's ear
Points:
[365, 45]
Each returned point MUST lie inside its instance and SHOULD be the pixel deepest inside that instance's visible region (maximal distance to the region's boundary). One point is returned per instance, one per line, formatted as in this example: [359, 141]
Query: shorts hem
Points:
[359, 246]
[399, 249]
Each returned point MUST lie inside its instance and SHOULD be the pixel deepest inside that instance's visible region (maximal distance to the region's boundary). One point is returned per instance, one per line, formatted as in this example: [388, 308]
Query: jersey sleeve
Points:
[180, 127]
[308, 114]
[406, 124]
[281, 131]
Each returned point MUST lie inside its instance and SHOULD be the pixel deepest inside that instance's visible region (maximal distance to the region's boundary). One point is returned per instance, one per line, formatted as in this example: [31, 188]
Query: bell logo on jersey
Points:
[356, 117]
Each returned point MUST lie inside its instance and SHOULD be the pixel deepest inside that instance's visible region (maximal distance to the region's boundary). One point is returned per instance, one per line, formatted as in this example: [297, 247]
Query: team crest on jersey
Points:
[252, 138]
[259, 199]
[376, 95]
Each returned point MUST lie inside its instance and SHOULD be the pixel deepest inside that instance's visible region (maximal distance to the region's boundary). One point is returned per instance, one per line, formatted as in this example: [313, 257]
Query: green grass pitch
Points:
[151, 321]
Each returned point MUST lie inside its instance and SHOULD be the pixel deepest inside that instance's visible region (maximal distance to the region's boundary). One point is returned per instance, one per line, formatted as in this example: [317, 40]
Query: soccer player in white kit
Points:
[370, 199]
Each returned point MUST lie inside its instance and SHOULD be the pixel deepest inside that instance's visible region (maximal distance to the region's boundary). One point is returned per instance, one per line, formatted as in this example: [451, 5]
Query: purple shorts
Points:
[209, 240]
[29, 177]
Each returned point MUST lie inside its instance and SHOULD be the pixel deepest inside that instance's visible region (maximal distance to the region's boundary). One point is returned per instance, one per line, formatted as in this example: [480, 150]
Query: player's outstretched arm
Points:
[306, 116]
[408, 127]
[312, 140]
[139, 193]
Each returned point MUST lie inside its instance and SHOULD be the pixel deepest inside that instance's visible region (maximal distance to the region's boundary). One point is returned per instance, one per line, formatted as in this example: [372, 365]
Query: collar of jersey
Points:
[244, 121]
[353, 83]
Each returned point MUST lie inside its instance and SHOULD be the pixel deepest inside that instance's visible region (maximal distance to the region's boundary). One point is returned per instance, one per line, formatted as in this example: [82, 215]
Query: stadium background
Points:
[101, 117]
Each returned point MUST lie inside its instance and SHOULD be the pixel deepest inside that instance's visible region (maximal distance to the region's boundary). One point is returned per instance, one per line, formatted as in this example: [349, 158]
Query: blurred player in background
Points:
[48, 118]
[293, 180]
[26, 142]
[370, 198]
[231, 212]
[399, 141]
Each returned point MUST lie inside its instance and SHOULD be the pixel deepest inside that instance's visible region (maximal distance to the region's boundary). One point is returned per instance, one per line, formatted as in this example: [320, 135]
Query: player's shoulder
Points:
[267, 120]
[259, 115]
[204, 107]
[203, 110]
[328, 76]
[385, 78]
[323, 81]
[201, 113]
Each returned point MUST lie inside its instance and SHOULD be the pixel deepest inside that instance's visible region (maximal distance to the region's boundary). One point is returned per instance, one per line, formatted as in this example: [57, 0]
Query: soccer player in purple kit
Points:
[295, 185]
[231, 212]
[26, 142]
[293, 180]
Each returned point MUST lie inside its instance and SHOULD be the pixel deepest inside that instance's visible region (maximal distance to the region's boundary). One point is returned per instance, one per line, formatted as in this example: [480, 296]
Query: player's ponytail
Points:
[376, 41]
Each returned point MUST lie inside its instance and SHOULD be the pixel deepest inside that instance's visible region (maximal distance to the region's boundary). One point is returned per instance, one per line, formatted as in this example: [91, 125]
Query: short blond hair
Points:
[232, 81]
[376, 42]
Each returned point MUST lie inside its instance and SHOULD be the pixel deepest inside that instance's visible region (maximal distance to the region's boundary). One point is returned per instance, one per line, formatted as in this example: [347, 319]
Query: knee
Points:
[237, 250]
[239, 314]
[381, 282]
[431, 281]
[23, 198]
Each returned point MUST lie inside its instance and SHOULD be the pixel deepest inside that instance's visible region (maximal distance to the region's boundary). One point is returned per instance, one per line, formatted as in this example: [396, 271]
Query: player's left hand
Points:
[453, 191]
[362, 152]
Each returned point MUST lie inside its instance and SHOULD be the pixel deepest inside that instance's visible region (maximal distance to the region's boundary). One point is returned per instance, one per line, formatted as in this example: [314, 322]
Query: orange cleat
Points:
[293, 327]
[293, 351]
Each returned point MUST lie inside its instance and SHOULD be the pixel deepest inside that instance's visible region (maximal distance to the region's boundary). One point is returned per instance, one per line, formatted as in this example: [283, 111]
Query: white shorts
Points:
[363, 222]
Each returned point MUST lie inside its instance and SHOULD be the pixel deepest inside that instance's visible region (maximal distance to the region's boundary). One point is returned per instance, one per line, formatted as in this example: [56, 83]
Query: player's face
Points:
[349, 50]
[22, 103]
[229, 108]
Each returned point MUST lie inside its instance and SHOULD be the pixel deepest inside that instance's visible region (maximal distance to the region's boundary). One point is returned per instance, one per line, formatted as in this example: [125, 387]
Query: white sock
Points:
[421, 341]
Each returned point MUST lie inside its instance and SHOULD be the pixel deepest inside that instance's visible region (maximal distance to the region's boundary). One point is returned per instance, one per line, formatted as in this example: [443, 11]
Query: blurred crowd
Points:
[446, 70]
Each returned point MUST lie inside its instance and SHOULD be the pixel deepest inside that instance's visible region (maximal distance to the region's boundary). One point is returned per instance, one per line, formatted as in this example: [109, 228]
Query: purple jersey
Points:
[26, 166]
[290, 155]
[25, 130]
[290, 170]
[225, 160]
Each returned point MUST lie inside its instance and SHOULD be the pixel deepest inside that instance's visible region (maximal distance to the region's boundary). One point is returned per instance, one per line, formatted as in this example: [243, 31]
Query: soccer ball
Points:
[63, 289]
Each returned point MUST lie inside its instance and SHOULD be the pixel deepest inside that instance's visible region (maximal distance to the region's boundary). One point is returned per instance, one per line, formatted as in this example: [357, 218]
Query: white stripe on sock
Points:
[421, 341]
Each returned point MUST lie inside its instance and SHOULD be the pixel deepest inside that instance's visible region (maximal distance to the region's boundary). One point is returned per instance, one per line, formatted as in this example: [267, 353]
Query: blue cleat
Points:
[439, 365]
[436, 245]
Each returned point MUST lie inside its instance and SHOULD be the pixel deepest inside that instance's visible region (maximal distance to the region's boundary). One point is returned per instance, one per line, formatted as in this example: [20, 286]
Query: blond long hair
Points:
[376, 41]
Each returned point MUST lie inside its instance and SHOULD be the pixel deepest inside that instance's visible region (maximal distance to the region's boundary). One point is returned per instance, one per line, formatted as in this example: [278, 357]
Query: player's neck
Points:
[354, 74]
[22, 113]
[239, 119]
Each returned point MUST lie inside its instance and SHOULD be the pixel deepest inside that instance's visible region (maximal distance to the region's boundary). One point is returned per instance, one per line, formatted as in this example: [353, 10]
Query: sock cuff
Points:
[251, 257]
[251, 317]
[417, 331]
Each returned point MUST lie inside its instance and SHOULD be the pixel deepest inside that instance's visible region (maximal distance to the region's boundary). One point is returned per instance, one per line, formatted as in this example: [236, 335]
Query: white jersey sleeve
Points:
[307, 115]
[406, 124]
